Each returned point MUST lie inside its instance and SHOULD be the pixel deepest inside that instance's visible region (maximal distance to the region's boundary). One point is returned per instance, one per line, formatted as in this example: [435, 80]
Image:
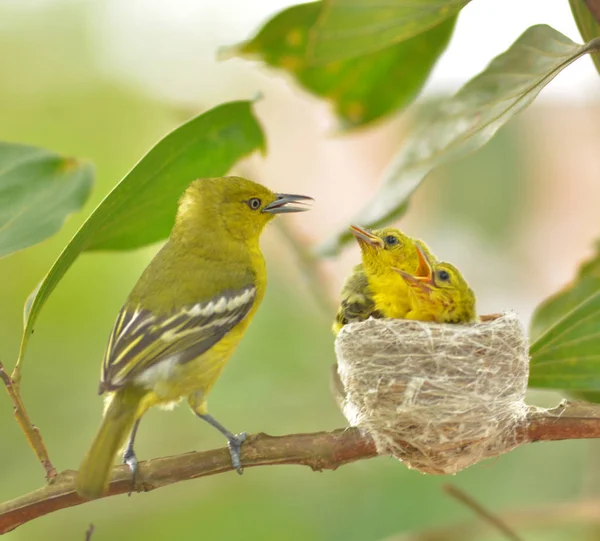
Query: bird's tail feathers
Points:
[119, 418]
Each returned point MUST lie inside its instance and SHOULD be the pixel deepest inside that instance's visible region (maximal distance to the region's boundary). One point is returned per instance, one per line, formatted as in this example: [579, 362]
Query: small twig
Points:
[311, 267]
[31, 432]
[543, 516]
[494, 520]
[89, 532]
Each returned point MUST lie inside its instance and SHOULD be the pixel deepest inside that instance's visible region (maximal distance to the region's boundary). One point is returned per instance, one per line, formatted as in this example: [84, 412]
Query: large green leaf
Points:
[567, 355]
[350, 28]
[141, 208]
[361, 89]
[38, 191]
[587, 24]
[569, 360]
[584, 286]
[466, 121]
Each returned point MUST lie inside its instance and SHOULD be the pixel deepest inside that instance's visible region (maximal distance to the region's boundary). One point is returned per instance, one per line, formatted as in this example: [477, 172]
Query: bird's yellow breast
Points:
[168, 381]
[390, 294]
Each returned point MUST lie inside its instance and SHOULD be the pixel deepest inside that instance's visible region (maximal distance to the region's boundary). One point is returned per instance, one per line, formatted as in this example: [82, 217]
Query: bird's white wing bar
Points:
[140, 339]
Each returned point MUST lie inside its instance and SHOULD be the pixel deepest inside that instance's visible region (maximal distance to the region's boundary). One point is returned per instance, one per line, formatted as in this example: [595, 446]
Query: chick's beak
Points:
[283, 204]
[423, 276]
[366, 237]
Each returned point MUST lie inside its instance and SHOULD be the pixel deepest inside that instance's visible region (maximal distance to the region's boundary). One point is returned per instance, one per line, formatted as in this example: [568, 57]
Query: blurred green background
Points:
[494, 213]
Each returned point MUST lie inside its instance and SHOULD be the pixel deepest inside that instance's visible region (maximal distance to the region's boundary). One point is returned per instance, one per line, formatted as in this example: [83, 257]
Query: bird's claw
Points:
[131, 460]
[235, 444]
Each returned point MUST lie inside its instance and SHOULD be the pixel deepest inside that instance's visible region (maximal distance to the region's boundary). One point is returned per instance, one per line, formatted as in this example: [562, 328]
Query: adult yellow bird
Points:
[439, 294]
[373, 288]
[185, 316]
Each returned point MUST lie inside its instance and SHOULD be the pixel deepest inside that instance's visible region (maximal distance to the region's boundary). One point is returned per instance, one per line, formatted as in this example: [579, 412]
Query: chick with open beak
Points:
[438, 292]
[374, 289]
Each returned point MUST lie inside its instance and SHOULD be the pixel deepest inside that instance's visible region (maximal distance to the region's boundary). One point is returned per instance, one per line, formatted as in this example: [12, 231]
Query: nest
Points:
[438, 397]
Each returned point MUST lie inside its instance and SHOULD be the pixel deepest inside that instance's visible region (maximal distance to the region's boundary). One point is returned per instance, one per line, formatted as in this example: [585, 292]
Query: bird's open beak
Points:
[423, 277]
[364, 236]
[283, 204]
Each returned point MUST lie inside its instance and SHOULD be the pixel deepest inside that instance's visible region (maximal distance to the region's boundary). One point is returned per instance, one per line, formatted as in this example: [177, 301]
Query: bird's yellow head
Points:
[383, 249]
[439, 292]
[236, 204]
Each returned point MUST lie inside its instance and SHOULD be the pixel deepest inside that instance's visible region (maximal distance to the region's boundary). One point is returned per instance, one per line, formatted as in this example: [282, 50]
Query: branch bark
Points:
[31, 432]
[319, 451]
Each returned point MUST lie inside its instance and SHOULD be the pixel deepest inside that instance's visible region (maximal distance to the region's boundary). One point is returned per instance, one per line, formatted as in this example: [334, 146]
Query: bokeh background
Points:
[104, 80]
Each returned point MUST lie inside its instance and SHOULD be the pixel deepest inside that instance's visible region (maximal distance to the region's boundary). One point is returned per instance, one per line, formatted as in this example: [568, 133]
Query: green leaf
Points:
[141, 208]
[351, 28]
[567, 355]
[362, 89]
[565, 350]
[469, 119]
[584, 286]
[38, 191]
[587, 24]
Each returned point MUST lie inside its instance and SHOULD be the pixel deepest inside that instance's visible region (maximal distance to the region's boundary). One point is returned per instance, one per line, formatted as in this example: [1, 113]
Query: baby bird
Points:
[438, 292]
[373, 288]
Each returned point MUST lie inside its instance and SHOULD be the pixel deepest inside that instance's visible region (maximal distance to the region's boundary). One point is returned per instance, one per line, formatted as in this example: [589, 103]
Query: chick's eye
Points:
[254, 203]
[390, 240]
[444, 276]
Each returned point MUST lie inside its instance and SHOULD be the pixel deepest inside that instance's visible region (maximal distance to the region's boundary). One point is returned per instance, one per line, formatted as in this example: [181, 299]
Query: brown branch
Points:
[319, 451]
[568, 421]
[494, 520]
[31, 432]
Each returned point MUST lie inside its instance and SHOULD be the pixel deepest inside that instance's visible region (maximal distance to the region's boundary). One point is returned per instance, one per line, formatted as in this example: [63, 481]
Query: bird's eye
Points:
[254, 203]
[443, 276]
[390, 240]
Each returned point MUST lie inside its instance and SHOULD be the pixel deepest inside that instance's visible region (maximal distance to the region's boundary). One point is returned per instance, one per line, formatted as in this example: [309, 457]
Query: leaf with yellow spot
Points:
[361, 89]
[38, 191]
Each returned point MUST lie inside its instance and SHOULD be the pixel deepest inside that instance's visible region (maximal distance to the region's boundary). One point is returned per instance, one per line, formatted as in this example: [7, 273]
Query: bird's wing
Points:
[140, 339]
[357, 304]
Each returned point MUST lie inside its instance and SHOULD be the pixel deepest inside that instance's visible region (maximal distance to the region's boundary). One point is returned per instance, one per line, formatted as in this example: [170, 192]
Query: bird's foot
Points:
[131, 460]
[235, 444]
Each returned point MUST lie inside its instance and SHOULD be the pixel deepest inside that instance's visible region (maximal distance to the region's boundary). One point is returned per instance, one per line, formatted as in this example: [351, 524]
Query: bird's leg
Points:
[234, 441]
[197, 402]
[129, 457]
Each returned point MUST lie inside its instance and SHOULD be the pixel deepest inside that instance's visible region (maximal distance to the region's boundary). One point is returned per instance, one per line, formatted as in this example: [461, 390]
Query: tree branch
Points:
[319, 451]
[31, 432]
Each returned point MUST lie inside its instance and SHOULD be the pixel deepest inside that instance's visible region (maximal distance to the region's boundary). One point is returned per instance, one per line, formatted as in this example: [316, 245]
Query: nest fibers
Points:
[438, 397]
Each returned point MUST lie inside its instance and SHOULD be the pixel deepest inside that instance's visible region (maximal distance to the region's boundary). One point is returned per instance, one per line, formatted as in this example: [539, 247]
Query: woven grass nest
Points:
[438, 397]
